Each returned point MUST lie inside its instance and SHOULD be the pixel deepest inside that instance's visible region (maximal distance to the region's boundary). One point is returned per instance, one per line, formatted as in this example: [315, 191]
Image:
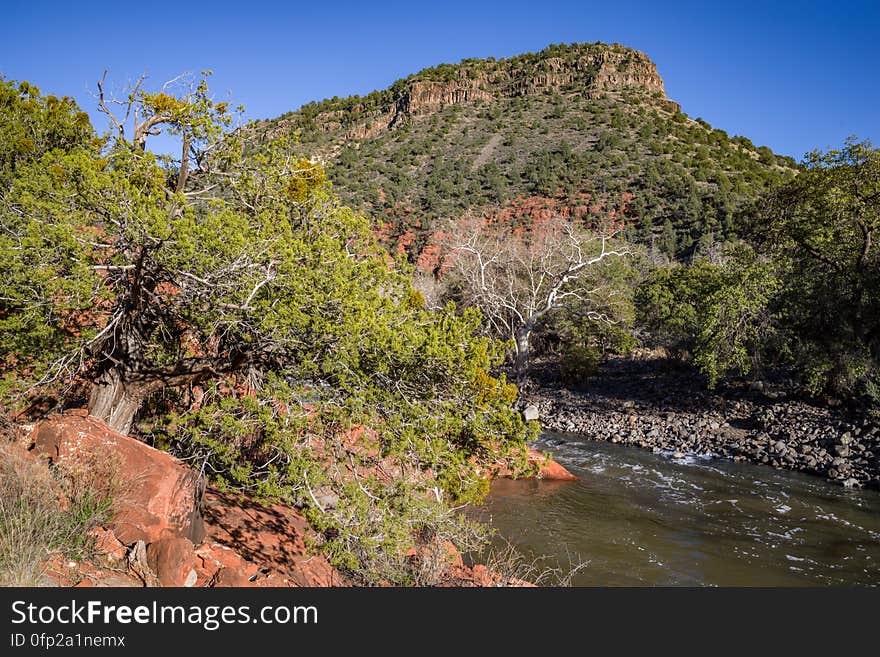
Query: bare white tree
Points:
[517, 277]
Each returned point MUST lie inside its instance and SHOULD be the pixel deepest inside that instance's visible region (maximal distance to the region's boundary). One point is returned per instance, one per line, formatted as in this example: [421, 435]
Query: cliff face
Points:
[594, 73]
[593, 70]
[605, 70]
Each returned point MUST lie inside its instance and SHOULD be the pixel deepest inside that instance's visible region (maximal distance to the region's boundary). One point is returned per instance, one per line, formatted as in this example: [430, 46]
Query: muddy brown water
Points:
[640, 518]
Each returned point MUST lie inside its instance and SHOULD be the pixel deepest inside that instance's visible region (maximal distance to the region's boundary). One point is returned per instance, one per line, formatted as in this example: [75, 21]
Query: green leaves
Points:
[32, 124]
[49, 288]
[247, 277]
[824, 227]
[737, 323]
[671, 302]
[806, 298]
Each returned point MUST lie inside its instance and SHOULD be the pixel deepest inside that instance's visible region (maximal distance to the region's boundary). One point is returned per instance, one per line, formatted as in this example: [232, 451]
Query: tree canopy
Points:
[822, 229]
[802, 292]
[127, 278]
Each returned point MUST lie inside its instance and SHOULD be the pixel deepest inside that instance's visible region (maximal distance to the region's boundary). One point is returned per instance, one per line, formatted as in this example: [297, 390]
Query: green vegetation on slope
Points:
[566, 141]
[126, 278]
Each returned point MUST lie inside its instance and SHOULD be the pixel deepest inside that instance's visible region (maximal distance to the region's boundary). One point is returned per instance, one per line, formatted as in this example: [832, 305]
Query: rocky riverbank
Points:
[167, 528]
[660, 406]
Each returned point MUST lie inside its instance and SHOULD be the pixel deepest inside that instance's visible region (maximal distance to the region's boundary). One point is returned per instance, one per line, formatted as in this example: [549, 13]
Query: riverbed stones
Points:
[649, 405]
[842, 450]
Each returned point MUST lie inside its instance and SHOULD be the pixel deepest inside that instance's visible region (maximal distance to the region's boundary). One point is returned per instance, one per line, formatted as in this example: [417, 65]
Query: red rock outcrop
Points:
[166, 533]
[548, 468]
[428, 97]
[108, 545]
[160, 496]
[220, 565]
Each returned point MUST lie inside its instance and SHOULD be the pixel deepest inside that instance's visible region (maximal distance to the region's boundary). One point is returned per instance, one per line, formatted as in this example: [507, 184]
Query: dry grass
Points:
[45, 510]
[510, 563]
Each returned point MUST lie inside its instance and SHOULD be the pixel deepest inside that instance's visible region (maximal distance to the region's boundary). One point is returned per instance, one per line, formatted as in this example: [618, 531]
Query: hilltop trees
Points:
[127, 277]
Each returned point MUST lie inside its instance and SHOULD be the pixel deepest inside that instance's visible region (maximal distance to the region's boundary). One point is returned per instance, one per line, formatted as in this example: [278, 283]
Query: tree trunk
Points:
[115, 400]
[521, 338]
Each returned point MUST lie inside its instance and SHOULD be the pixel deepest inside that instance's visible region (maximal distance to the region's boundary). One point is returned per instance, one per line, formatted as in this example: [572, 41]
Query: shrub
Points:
[42, 511]
[577, 364]
[510, 564]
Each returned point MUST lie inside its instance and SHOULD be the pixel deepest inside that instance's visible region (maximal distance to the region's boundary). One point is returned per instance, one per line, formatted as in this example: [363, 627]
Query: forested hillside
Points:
[576, 129]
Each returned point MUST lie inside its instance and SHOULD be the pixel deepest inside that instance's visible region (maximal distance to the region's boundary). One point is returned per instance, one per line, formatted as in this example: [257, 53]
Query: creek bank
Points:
[168, 528]
[666, 408]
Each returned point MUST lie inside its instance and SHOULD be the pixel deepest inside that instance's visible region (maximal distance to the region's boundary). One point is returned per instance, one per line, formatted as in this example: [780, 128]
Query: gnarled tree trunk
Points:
[119, 392]
[116, 400]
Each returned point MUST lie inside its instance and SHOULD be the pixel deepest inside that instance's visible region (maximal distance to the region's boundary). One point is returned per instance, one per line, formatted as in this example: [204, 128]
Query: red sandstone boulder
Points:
[173, 561]
[160, 496]
[548, 468]
[108, 545]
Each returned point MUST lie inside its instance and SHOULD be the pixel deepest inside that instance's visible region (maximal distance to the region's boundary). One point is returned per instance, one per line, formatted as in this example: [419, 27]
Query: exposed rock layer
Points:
[590, 69]
[160, 497]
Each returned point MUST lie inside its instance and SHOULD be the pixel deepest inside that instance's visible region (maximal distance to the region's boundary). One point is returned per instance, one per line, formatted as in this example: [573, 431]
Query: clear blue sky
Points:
[793, 75]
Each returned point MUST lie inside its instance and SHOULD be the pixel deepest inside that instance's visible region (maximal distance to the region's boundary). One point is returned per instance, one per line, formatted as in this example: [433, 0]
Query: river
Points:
[640, 518]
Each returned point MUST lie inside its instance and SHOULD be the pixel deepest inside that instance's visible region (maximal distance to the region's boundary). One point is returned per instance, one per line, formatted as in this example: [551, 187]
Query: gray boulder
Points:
[530, 413]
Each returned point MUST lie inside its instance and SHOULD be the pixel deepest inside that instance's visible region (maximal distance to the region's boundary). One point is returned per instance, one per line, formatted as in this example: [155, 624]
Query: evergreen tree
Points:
[124, 274]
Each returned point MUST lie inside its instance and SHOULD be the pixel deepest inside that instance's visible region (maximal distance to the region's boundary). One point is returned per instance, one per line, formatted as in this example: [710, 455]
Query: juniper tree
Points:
[127, 277]
[133, 272]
